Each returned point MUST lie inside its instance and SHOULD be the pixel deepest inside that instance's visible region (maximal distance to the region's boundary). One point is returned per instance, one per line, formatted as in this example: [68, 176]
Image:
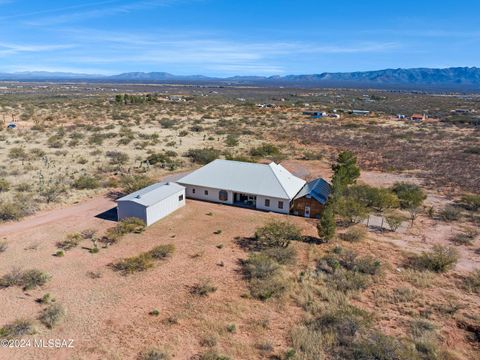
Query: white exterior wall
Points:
[166, 206]
[126, 209]
[273, 204]
[213, 194]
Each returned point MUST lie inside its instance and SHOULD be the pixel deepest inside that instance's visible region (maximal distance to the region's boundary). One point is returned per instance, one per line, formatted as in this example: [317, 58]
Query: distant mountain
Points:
[46, 75]
[455, 77]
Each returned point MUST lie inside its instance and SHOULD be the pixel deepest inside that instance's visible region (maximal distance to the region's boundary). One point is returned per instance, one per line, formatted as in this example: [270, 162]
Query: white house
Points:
[265, 187]
[152, 203]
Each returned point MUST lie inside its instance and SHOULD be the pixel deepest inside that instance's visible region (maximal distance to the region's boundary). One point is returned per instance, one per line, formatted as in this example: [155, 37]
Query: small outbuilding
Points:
[152, 203]
[311, 199]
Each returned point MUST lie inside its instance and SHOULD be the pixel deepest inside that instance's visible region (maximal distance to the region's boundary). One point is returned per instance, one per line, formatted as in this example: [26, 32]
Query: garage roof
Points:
[270, 180]
[153, 194]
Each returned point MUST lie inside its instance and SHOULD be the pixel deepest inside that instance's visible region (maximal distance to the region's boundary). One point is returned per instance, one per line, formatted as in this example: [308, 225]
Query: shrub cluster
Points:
[143, 261]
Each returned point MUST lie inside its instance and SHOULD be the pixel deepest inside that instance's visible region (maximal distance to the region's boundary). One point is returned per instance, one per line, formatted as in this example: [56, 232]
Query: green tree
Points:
[326, 226]
[351, 210]
[345, 172]
[411, 198]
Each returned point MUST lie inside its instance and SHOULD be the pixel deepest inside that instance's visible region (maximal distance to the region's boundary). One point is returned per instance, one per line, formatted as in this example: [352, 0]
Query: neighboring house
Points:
[265, 187]
[152, 203]
[311, 200]
[418, 117]
[360, 112]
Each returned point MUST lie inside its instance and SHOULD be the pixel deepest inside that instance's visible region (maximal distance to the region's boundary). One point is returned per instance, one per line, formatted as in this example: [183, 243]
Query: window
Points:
[180, 198]
[222, 195]
[193, 191]
[267, 202]
[280, 204]
[206, 192]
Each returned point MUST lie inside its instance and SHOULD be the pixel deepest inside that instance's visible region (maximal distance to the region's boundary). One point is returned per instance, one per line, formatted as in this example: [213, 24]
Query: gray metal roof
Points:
[153, 194]
[270, 180]
[319, 189]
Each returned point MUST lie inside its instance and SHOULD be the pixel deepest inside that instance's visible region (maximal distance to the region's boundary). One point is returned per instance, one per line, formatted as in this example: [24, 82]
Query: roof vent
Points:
[138, 196]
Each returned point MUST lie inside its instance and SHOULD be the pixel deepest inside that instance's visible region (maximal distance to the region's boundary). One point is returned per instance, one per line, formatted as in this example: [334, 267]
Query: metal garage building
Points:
[152, 203]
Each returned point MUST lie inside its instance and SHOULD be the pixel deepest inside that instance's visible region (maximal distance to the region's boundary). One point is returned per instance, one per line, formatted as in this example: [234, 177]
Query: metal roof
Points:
[153, 194]
[319, 189]
[270, 180]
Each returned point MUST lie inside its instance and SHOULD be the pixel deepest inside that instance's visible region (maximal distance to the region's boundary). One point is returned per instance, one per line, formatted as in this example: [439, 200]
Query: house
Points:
[360, 112]
[418, 117]
[152, 203]
[259, 186]
[315, 114]
[401, 116]
[311, 199]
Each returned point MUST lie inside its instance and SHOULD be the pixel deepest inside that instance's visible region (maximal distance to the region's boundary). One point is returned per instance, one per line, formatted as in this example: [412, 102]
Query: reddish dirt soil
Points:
[108, 317]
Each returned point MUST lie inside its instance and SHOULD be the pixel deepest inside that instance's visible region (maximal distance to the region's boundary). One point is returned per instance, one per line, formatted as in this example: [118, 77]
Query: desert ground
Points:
[77, 149]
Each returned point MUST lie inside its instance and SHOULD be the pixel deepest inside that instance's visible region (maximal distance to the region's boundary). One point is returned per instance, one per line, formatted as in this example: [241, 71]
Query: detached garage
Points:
[152, 203]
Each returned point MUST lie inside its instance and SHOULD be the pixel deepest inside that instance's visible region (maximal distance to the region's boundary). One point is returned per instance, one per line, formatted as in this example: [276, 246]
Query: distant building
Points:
[401, 116]
[418, 117]
[360, 112]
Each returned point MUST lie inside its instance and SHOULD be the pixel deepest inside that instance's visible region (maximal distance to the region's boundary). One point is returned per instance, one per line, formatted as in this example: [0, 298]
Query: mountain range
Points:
[455, 77]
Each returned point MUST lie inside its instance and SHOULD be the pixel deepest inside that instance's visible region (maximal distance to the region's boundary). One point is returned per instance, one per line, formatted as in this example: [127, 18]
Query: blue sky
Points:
[230, 37]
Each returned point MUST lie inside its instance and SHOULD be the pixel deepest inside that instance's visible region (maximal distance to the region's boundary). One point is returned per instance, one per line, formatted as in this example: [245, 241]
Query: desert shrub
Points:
[23, 187]
[270, 287]
[130, 225]
[231, 140]
[439, 259]
[153, 354]
[394, 220]
[132, 183]
[346, 281]
[380, 346]
[167, 123]
[471, 202]
[265, 150]
[34, 278]
[4, 185]
[231, 328]
[203, 156]
[212, 355]
[85, 182]
[162, 251]
[17, 153]
[134, 264]
[209, 341]
[281, 255]
[159, 159]
[17, 329]
[203, 288]
[367, 265]
[10, 210]
[277, 233]
[472, 281]
[70, 242]
[342, 323]
[420, 279]
[260, 266]
[465, 238]
[52, 315]
[55, 141]
[450, 213]
[3, 246]
[28, 279]
[308, 343]
[117, 157]
[355, 234]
